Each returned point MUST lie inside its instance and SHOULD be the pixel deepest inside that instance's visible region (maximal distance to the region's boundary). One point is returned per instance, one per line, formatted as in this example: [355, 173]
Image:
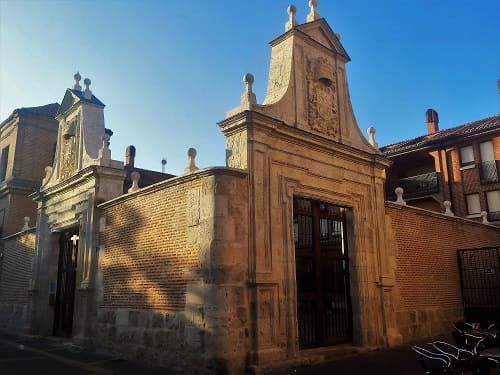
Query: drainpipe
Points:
[448, 175]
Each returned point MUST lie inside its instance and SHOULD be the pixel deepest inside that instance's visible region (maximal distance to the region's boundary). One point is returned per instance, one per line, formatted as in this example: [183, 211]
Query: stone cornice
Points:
[17, 184]
[253, 119]
[92, 172]
[11, 119]
[201, 173]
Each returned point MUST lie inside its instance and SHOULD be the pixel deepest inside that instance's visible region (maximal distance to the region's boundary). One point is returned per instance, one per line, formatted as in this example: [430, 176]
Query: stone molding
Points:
[279, 128]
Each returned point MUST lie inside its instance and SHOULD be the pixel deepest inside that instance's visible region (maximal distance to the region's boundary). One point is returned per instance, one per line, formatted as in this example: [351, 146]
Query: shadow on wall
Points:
[16, 261]
[147, 266]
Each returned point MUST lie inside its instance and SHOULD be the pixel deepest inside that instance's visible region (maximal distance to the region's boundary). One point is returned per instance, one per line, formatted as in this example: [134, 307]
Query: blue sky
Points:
[169, 70]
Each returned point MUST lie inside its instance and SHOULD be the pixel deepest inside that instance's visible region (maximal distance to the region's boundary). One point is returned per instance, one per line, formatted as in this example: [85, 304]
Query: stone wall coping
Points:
[440, 215]
[200, 173]
[19, 234]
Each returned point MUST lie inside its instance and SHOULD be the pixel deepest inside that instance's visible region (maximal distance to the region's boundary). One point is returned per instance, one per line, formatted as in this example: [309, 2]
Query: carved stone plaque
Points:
[193, 206]
[236, 150]
[68, 157]
[322, 99]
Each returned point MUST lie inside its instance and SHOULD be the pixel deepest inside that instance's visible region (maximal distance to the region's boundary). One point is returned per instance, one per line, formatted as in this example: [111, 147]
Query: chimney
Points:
[432, 119]
[130, 156]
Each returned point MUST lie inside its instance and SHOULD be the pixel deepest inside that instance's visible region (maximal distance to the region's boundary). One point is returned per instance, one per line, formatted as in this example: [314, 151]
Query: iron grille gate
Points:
[66, 279]
[480, 282]
[322, 274]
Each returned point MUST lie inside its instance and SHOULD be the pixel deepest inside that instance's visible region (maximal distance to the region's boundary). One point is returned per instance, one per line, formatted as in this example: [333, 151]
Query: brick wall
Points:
[173, 264]
[20, 206]
[15, 274]
[427, 291]
[35, 147]
[467, 181]
[147, 261]
[8, 138]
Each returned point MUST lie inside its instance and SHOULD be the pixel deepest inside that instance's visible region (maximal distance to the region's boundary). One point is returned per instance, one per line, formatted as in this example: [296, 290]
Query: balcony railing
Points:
[488, 172]
[416, 186]
[494, 216]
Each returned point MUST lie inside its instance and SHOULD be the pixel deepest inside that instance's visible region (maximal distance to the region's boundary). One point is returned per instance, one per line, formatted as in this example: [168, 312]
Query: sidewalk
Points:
[26, 354]
[47, 355]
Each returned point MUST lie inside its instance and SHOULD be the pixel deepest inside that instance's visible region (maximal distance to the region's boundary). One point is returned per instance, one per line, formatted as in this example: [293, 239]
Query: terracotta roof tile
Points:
[475, 127]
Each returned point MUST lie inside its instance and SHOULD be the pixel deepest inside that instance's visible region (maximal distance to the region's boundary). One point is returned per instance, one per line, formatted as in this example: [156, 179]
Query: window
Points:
[466, 156]
[473, 205]
[3, 163]
[486, 151]
[488, 168]
[493, 199]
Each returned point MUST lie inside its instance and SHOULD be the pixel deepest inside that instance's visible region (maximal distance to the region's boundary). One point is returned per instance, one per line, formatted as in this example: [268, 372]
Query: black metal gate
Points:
[322, 274]
[480, 282]
[66, 279]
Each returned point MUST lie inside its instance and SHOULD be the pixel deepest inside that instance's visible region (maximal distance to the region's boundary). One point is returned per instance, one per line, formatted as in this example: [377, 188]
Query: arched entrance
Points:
[322, 274]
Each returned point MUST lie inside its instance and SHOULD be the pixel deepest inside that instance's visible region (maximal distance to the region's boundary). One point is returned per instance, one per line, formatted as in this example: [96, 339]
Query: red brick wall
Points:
[20, 206]
[35, 147]
[467, 181]
[147, 261]
[15, 267]
[427, 292]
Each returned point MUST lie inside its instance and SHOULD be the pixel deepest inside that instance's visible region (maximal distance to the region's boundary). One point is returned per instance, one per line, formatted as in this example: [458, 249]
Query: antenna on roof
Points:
[163, 164]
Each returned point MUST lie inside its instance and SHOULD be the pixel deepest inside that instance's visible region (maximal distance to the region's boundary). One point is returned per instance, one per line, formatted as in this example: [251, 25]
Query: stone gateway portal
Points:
[322, 274]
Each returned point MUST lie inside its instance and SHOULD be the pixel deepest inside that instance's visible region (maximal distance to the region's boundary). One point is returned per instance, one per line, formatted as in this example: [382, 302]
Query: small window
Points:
[487, 152]
[466, 156]
[4, 159]
[473, 205]
[493, 198]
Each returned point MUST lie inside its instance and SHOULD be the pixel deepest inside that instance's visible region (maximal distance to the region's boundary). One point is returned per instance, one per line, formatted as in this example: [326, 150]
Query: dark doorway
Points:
[480, 282]
[322, 274]
[66, 279]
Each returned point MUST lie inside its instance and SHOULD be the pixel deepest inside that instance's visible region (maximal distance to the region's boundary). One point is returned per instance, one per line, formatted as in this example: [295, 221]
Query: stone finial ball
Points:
[87, 81]
[371, 130]
[291, 9]
[248, 78]
[192, 152]
[313, 3]
[399, 191]
[77, 76]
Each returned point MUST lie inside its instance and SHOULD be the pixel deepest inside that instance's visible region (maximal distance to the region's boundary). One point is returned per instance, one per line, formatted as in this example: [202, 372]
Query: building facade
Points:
[27, 146]
[270, 261]
[459, 164]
